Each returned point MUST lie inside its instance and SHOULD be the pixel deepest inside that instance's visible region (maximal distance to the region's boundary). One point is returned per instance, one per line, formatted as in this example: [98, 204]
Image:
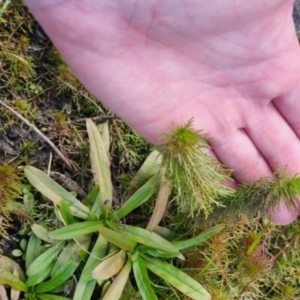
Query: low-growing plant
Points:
[94, 247]
[101, 248]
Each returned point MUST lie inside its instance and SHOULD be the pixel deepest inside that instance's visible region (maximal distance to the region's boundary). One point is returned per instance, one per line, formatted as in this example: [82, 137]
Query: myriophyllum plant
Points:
[196, 178]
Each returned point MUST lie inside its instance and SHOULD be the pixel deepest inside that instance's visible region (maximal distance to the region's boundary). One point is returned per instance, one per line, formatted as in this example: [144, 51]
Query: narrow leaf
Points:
[116, 289]
[42, 233]
[44, 260]
[71, 253]
[143, 194]
[9, 265]
[118, 239]
[110, 266]
[149, 168]
[148, 238]
[75, 230]
[13, 281]
[33, 250]
[99, 251]
[66, 213]
[142, 279]
[84, 290]
[201, 238]
[59, 278]
[40, 276]
[99, 161]
[156, 253]
[51, 297]
[178, 279]
[53, 191]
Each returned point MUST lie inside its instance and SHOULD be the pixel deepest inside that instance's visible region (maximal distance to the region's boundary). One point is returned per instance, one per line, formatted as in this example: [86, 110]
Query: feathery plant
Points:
[263, 196]
[196, 178]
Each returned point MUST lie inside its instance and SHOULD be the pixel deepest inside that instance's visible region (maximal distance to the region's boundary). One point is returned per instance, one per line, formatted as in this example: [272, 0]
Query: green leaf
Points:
[33, 250]
[66, 213]
[92, 196]
[62, 275]
[201, 238]
[150, 167]
[110, 266]
[104, 132]
[142, 279]
[42, 233]
[44, 260]
[51, 297]
[53, 191]
[40, 276]
[118, 239]
[156, 253]
[143, 194]
[84, 290]
[71, 253]
[177, 278]
[115, 290]
[13, 281]
[75, 230]
[9, 265]
[99, 251]
[150, 239]
[100, 162]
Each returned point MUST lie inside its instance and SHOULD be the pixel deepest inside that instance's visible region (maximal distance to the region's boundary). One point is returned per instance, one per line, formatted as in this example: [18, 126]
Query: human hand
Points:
[233, 66]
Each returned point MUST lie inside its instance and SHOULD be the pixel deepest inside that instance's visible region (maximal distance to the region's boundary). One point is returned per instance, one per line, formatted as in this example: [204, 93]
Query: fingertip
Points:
[282, 215]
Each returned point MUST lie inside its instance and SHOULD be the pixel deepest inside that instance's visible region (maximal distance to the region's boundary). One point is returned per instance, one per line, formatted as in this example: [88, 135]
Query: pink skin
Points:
[231, 65]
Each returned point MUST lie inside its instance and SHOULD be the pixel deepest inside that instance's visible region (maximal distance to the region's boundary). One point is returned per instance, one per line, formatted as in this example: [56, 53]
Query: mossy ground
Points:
[36, 83]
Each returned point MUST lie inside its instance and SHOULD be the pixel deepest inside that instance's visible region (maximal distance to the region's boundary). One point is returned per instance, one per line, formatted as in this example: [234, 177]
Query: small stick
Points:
[95, 119]
[33, 127]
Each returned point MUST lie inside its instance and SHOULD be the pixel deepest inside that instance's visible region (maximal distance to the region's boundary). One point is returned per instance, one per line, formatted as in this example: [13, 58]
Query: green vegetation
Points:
[67, 246]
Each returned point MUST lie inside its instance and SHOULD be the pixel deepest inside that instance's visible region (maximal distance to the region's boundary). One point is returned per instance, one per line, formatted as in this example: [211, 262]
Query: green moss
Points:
[197, 179]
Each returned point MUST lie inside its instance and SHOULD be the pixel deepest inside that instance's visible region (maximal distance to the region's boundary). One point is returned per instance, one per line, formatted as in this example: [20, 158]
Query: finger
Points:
[280, 146]
[282, 215]
[275, 139]
[238, 152]
[289, 107]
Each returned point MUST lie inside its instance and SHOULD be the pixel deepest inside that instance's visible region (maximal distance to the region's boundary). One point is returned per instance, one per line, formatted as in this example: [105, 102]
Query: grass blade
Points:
[178, 279]
[143, 194]
[142, 279]
[201, 238]
[75, 230]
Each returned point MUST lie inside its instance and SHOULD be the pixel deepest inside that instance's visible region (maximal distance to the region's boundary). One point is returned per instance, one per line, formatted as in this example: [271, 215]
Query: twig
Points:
[95, 119]
[33, 127]
[4, 7]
